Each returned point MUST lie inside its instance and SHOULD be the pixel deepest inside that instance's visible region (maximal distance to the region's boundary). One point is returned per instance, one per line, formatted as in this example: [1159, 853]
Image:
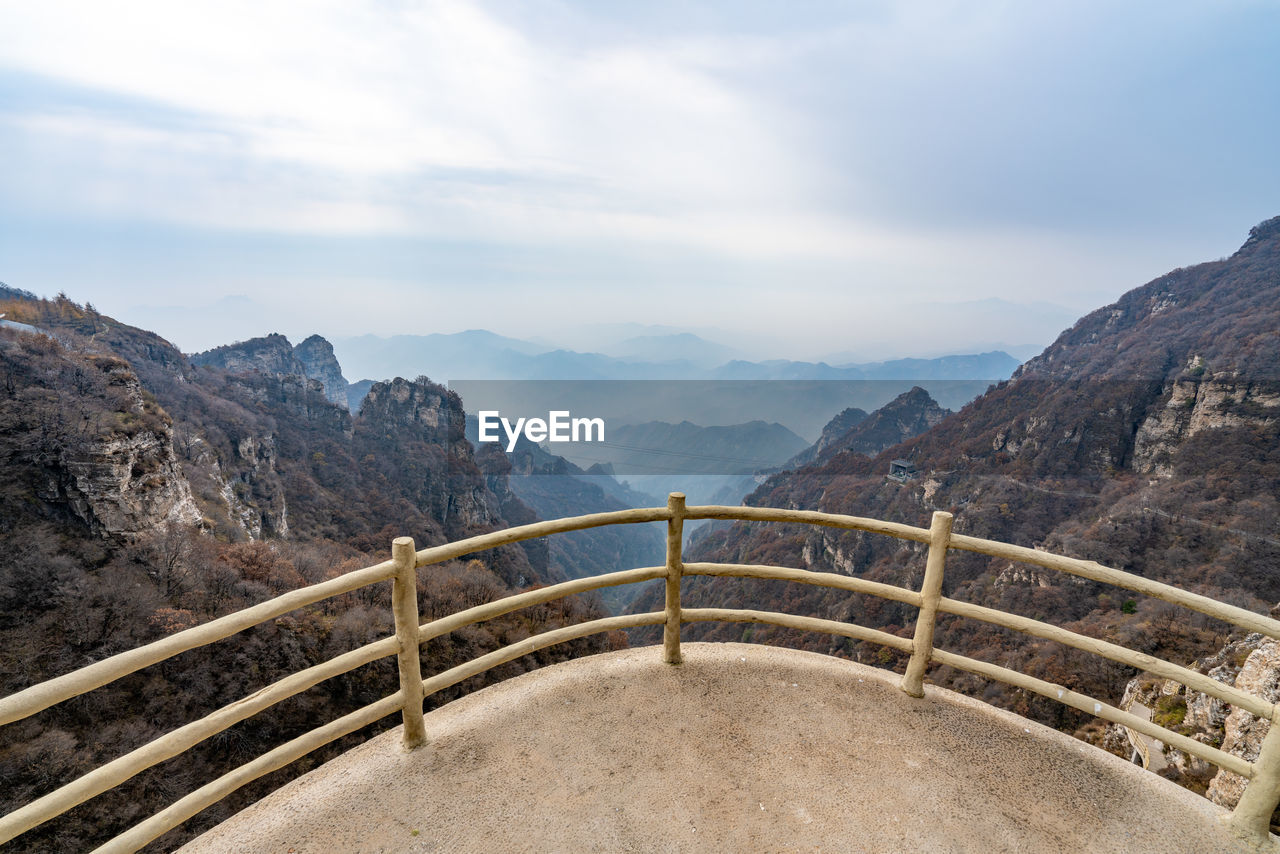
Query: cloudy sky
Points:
[807, 177]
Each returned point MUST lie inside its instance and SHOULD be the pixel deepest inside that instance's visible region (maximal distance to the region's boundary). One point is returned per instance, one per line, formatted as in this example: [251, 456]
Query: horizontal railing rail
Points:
[1250, 818]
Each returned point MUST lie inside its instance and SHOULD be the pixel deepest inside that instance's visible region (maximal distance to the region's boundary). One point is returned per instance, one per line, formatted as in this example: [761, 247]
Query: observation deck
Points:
[752, 747]
[741, 748]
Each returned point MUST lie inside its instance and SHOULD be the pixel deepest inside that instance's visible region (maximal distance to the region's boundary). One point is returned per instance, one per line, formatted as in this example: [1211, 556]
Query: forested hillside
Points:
[1147, 437]
[141, 494]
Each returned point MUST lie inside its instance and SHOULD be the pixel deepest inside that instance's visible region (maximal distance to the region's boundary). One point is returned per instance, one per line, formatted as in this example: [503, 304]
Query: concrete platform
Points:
[741, 748]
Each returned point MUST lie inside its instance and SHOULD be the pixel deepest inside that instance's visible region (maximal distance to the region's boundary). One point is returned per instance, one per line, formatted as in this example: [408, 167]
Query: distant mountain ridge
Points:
[478, 354]
[980, 366]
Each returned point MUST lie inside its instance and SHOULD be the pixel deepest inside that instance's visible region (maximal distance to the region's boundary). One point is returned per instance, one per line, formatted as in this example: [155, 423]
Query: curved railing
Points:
[1250, 817]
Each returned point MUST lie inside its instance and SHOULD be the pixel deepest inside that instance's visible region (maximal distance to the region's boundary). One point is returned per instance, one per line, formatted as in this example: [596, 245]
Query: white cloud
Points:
[886, 152]
[614, 138]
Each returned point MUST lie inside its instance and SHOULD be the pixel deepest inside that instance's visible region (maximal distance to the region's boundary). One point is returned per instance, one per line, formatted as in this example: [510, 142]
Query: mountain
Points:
[662, 448]
[674, 347]
[141, 494]
[1146, 437]
[273, 354]
[784, 369]
[478, 354]
[319, 363]
[996, 365]
[474, 354]
[948, 326]
[909, 414]
[835, 429]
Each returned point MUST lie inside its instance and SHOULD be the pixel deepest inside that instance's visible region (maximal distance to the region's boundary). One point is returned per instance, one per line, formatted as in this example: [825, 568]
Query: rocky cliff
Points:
[1250, 663]
[428, 420]
[319, 363]
[141, 494]
[1242, 733]
[83, 440]
[239, 439]
[273, 355]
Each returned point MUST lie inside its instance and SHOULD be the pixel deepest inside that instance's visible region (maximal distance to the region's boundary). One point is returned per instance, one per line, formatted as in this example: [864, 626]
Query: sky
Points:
[873, 179]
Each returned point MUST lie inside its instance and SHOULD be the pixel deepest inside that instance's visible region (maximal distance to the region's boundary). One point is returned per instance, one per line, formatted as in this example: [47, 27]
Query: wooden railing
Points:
[1250, 818]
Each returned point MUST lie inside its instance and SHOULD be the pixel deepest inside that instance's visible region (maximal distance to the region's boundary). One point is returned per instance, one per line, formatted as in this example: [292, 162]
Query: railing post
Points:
[404, 607]
[1252, 816]
[675, 569]
[930, 594]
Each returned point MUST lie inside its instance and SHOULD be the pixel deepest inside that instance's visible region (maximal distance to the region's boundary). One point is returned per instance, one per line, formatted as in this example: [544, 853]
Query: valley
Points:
[145, 490]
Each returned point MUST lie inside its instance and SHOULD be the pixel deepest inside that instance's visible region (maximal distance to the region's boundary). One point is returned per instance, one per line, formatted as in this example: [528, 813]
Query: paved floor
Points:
[741, 748]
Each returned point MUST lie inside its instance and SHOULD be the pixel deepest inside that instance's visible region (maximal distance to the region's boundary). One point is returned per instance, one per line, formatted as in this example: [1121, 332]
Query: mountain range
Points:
[478, 354]
[143, 491]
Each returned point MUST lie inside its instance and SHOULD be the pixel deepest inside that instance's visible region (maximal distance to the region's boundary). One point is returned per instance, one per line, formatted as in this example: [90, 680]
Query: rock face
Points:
[249, 485]
[125, 486]
[270, 355]
[1242, 732]
[420, 405]
[86, 439]
[110, 429]
[1197, 404]
[421, 414]
[1250, 663]
[275, 356]
[318, 362]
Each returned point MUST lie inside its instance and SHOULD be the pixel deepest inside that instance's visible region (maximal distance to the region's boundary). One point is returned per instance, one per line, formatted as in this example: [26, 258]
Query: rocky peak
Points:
[1266, 230]
[1208, 312]
[273, 355]
[835, 430]
[419, 404]
[909, 414]
[318, 363]
[448, 483]
[270, 355]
